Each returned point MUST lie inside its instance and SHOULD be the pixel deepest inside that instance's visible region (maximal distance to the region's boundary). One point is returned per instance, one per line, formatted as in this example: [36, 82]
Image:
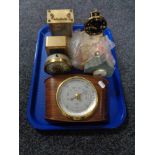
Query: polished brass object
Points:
[56, 44]
[57, 63]
[80, 117]
[60, 21]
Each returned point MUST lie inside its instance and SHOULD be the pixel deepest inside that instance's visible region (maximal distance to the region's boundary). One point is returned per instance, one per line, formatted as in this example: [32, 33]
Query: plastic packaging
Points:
[83, 48]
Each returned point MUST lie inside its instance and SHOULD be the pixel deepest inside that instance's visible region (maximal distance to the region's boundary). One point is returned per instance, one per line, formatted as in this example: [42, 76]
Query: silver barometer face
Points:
[77, 98]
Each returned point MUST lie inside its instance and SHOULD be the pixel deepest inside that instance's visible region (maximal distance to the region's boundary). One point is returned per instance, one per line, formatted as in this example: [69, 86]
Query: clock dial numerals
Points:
[77, 97]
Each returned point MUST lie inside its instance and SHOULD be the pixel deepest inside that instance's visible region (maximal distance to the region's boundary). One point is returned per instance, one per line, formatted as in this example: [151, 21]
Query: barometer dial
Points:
[77, 98]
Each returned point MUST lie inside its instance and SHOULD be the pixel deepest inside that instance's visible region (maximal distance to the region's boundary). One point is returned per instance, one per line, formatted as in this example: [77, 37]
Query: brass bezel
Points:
[76, 118]
[61, 59]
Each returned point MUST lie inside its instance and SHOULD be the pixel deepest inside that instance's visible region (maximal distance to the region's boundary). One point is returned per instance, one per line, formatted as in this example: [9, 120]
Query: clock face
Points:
[95, 26]
[77, 98]
[57, 67]
[57, 63]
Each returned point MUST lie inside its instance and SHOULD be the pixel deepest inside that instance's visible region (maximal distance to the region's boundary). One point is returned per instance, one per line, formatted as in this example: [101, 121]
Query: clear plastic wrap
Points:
[83, 48]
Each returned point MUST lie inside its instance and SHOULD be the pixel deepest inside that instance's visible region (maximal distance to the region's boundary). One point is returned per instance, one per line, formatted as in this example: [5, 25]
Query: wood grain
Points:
[53, 112]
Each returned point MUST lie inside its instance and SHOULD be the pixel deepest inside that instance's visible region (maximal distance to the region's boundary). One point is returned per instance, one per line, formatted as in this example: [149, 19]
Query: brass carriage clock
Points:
[60, 21]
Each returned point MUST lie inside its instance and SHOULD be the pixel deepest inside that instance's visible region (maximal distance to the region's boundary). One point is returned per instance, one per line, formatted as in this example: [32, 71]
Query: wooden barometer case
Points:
[76, 98]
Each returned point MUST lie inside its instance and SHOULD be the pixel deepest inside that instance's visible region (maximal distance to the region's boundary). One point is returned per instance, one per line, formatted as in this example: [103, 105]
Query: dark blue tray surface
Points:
[36, 102]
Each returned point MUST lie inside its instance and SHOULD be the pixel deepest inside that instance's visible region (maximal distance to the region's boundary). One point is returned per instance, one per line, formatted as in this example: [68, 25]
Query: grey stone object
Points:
[99, 62]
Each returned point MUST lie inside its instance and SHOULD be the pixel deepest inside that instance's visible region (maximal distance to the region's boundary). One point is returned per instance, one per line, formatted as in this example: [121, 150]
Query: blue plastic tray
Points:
[36, 102]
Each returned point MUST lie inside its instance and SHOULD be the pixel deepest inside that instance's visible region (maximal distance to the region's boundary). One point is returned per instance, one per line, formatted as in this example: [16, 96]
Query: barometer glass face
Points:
[77, 98]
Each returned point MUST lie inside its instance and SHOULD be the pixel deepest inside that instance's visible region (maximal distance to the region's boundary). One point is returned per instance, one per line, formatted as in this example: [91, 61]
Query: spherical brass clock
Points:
[95, 24]
[57, 63]
[77, 98]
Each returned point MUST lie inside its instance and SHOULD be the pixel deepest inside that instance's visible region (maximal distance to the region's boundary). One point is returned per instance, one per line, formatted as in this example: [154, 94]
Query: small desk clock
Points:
[95, 24]
[60, 21]
[76, 98]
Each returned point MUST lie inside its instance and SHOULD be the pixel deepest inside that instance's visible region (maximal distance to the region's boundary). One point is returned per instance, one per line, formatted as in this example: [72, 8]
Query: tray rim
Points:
[36, 125]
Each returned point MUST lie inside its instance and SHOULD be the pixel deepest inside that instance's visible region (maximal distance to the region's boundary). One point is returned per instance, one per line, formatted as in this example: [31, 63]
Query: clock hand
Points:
[77, 96]
[73, 98]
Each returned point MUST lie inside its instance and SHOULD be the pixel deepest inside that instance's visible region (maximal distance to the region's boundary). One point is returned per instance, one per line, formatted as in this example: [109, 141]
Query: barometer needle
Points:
[77, 96]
